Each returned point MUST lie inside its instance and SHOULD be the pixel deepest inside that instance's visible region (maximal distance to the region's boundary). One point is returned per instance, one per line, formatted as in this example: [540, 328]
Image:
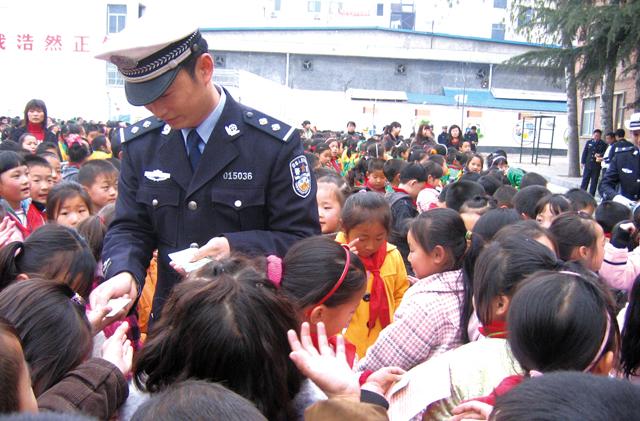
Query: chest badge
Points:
[157, 175]
[232, 129]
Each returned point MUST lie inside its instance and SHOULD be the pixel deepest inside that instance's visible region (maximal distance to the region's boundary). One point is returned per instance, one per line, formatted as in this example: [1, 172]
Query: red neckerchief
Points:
[36, 129]
[428, 186]
[505, 385]
[607, 235]
[349, 348]
[378, 302]
[335, 166]
[399, 190]
[494, 330]
[370, 187]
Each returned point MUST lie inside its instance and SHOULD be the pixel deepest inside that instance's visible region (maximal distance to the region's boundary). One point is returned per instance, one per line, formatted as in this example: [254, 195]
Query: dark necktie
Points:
[193, 143]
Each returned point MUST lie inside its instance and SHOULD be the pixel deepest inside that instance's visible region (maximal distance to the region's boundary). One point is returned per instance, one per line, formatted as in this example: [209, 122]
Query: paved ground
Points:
[556, 173]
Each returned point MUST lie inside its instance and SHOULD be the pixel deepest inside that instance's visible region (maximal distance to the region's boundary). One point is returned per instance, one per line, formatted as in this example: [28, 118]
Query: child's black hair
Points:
[11, 367]
[571, 230]
[461, 191]
[558, 321]
[438, 159]
[504, 196]
[92, 169]
[52, 252]
[609, 213]
[53, 328]
[489, 183]
[533, 179]
[364, 207]
[433, 169]
[197, 400]
[580, 199]
[341, 188]
[526, 199]
[311, 269]
[10, 160]
[375, 165]
[398, 150]
[36, 161]
[630, 346]
[569, 395]
[502, 265]
[62, 192]
[392, 167]
[416, 154]
[557, 204]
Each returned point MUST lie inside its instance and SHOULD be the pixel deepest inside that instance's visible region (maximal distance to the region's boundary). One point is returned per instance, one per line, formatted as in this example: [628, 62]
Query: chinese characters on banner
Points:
[49, 43]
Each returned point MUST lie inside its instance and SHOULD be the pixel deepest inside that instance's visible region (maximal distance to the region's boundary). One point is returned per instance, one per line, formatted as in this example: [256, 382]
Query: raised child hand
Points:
[118, 350]
[328, 370]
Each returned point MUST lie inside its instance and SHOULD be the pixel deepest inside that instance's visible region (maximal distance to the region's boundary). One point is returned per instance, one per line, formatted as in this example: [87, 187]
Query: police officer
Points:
[203, 171]
[591, 154]
[621, 182]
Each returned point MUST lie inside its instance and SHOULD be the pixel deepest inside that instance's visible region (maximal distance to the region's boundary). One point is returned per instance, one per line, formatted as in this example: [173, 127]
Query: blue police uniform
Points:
[623, 175]
[252, 185]
[592, 168]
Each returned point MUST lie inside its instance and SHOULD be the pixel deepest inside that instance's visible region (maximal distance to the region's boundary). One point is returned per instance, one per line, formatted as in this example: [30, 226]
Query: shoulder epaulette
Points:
[268, 125]
[625, 149]
[142, 127]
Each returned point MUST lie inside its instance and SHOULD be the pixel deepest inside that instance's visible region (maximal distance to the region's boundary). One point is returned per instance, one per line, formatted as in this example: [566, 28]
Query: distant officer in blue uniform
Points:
[621, 182]
[204, 171]
[591, 157]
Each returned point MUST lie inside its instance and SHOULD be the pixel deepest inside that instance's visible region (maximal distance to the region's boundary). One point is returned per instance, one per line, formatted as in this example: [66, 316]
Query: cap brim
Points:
[146, 92]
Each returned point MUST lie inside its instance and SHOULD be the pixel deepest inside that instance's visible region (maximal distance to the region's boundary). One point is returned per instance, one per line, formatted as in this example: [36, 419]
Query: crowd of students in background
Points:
[431, 256]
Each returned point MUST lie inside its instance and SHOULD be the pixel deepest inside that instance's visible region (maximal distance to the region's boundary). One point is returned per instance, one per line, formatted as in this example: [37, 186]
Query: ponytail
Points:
[8, 267]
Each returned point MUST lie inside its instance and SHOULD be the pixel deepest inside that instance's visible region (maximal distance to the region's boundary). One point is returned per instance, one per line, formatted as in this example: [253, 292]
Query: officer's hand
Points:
[216, 248]
[115, 287]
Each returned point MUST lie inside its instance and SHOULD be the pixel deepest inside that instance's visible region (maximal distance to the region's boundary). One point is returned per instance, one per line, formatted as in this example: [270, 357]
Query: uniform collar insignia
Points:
[232, 129]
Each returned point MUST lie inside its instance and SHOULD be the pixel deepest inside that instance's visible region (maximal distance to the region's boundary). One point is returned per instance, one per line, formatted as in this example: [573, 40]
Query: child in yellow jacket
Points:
[366, 219]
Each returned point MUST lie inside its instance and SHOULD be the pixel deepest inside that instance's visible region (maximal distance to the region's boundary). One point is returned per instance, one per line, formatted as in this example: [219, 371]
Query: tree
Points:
[559, 22]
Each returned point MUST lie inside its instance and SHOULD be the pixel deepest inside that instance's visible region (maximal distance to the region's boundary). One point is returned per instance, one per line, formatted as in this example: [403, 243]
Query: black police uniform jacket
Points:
[623, 175]
[252, 186]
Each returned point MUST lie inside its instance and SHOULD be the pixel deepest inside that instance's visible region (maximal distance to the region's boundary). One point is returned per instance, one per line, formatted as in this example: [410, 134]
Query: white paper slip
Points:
[183, 259]
[117, 304]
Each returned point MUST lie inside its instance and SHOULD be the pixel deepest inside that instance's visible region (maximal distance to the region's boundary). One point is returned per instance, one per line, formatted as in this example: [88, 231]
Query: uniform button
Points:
[192, 205]
[154, 202]
[237, 203]
[193, 245]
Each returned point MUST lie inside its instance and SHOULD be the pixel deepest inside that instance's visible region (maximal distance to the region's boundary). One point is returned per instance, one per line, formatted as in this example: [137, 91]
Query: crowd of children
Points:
[436, 265]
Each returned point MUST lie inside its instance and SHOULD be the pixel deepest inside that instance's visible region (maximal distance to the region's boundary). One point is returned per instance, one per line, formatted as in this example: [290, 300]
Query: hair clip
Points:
[468, 235]
[78, 299]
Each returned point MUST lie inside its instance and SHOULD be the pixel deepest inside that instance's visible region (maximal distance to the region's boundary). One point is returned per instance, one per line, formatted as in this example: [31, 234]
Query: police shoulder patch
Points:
[268, 125]
[142, 127]
[300, 176]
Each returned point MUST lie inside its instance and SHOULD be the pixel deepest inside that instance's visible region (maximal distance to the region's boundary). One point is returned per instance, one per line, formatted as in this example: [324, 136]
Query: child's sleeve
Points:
[401, 282]
[620, 267]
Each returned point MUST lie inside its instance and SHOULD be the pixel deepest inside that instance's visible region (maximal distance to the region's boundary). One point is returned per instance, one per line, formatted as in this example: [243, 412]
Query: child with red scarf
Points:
[366, 223]
[375, 178]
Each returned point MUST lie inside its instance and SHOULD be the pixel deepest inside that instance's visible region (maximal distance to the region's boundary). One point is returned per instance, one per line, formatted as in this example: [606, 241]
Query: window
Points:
[116, 17]
[497, 31]
[380, 9]
[114, 78]
[500, 4]
[588, 116]
[313, 6]
[618, 110]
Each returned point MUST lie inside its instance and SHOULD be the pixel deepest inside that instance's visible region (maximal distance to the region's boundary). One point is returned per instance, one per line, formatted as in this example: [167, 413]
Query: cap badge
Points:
[232, 129]
[123, 62]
